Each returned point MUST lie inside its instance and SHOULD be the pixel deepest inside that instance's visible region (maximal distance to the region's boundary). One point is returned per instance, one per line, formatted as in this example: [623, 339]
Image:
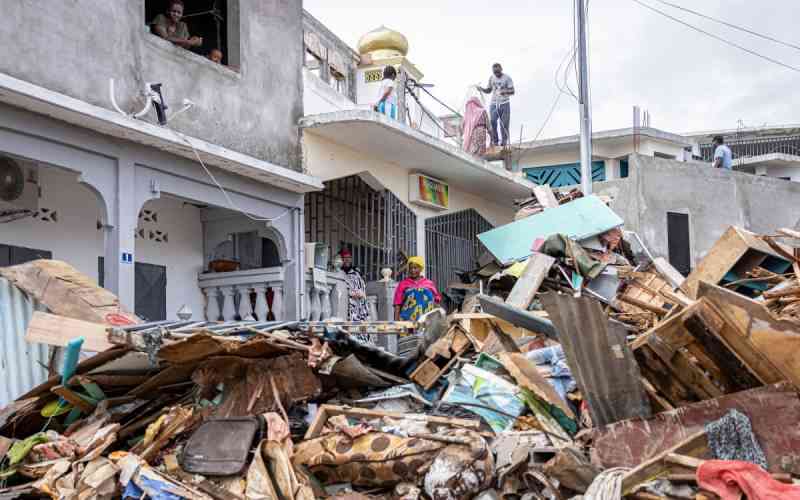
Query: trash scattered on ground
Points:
[580, 371]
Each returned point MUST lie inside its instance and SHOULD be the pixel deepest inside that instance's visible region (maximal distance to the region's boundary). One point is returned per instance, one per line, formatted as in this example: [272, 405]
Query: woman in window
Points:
[387, 97]
[416, 294]
[170, 27]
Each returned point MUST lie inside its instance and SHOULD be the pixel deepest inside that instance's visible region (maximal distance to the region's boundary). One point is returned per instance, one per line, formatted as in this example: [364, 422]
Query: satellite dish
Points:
[12, 180]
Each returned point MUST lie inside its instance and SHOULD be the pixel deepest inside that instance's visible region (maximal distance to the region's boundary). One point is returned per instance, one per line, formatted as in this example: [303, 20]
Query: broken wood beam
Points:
[73, 398]
[694, 445]
[524, 290]
[518, 317]
[683, 460]
[50, 329]
[643, 305]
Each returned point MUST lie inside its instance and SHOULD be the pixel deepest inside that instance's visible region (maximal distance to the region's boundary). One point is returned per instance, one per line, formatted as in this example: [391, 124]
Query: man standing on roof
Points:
[502, 88]
[723, 157]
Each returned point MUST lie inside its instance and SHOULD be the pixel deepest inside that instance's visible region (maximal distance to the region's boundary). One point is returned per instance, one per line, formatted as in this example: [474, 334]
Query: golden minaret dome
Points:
[383, 43]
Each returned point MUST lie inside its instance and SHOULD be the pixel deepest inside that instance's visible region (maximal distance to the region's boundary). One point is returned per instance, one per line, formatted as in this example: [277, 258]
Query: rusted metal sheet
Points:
[22, 365]
[599, 358]
[774, 411]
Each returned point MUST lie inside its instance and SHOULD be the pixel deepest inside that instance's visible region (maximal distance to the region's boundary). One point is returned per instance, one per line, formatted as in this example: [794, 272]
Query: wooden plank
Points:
[694, 446]
[73, 398]
[326, 411]
[643, 305]
[46, 328]
[724, 256]
[524, 290]
[683, 460]
[527, 376]
[599, 357]
[544, 195]
[778, 341]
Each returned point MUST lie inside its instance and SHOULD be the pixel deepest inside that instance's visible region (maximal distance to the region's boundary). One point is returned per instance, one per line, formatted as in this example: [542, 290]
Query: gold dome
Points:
[383, 43]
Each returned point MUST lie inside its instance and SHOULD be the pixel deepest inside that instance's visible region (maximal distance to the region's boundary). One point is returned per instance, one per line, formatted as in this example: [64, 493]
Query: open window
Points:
[338, 82]
[313, 63]
[215, 21]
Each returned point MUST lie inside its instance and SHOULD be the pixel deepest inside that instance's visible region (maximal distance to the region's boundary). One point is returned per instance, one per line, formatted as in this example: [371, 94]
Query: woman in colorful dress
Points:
[416, 294]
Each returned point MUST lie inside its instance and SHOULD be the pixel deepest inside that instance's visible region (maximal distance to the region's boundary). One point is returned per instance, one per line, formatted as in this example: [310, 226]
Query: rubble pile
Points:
[584, 368]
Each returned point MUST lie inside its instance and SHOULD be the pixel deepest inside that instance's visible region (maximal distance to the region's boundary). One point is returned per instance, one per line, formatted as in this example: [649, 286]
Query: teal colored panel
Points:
[577, 219]
[564, 175]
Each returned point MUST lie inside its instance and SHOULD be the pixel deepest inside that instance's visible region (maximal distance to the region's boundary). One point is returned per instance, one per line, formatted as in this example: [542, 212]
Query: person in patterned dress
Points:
[416, 294]
[357, 308]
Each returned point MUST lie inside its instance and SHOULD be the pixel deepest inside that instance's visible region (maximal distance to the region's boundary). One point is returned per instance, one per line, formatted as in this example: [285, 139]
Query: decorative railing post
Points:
[212, 304]
[245, 307]
[228, 307]
[277, 301]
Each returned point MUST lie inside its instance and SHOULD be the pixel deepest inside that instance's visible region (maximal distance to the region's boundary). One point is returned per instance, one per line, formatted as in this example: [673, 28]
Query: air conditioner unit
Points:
[19, 186]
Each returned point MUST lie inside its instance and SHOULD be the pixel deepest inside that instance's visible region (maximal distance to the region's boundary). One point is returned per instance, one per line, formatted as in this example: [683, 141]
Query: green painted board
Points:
[577, 219]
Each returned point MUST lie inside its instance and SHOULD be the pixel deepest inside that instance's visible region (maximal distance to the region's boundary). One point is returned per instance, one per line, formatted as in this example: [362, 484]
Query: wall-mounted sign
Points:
[429, 192]
[373, 75]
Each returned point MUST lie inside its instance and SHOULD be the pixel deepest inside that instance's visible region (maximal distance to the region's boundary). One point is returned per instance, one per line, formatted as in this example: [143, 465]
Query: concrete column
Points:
[612, 169]
[421, 250]
[120, 244]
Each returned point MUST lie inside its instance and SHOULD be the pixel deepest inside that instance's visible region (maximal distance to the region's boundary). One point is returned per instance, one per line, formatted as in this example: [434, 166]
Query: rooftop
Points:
[26, 95]
[622, 133]
[394, 142]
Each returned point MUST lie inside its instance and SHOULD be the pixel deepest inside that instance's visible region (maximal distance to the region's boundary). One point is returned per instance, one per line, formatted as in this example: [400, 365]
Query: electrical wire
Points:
[231, 204]
[730, 25]
[718, 38]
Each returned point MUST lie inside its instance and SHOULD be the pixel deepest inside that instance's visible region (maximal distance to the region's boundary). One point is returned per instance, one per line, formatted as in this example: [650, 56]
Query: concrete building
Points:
[556, 161]
[144, 208]
[392, 186]
[772, 151]
[680, 209]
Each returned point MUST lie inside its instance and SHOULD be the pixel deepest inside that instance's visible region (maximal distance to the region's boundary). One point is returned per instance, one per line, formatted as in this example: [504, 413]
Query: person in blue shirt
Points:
[723, 157]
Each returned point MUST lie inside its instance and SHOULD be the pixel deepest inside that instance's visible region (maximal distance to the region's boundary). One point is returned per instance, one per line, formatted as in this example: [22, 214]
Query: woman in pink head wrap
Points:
[475, 128]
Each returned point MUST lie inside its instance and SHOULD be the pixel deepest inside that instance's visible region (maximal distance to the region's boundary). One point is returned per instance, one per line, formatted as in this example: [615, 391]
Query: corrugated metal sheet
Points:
[22, 365]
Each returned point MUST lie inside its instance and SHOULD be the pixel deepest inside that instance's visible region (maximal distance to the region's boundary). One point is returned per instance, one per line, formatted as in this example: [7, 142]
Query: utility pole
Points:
[583, 99]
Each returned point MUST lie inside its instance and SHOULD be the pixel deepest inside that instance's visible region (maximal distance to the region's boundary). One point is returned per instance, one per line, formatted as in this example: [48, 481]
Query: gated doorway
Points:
[150, 283]
[451, 245]
[374, 224]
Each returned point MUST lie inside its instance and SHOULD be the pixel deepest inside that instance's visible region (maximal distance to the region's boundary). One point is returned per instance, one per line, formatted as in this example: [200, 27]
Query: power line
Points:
[719, 38]
[730, 25]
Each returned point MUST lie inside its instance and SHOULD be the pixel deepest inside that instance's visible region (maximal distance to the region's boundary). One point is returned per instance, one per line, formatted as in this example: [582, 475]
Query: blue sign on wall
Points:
[126, 258]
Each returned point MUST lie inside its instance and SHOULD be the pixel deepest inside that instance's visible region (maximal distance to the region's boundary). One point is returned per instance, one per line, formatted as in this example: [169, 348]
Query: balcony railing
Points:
[259, 293]
[746, 148]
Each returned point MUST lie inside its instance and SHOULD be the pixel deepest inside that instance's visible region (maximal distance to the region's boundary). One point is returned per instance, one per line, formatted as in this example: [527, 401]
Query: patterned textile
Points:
[416, 297]
[731, 438]
[357, 308]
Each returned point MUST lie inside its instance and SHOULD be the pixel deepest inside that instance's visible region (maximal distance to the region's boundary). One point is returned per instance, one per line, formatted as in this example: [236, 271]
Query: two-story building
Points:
[392, 186]
[140, 161]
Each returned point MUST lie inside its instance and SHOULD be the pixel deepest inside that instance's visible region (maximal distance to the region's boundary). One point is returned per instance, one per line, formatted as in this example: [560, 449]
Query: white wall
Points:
[182, 254]
[792, 173]
[74, 237]
[329, 160]
[319, 97]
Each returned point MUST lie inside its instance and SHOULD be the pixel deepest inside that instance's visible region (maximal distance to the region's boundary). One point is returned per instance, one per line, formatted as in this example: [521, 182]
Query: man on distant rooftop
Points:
[502, 88]
[723, 157]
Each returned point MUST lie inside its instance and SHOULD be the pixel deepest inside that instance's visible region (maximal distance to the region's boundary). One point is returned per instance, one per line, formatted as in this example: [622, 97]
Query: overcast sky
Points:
[687, 81]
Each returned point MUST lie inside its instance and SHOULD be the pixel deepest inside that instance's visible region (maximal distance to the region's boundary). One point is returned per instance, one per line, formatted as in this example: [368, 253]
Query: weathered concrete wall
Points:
[713, 199]
[75, 46]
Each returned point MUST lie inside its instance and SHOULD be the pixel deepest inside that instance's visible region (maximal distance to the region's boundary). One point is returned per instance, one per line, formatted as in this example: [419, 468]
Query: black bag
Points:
[221, 446]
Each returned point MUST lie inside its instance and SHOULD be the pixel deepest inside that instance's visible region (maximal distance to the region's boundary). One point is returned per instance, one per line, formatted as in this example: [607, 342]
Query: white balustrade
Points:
[326, 296]
[237, 288]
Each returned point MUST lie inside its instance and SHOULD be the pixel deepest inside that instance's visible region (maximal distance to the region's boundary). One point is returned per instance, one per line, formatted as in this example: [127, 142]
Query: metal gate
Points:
[374, 224]
[452, 245]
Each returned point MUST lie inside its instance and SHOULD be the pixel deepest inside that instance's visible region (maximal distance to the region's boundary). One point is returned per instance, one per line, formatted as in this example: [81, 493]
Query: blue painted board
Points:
[579, 219]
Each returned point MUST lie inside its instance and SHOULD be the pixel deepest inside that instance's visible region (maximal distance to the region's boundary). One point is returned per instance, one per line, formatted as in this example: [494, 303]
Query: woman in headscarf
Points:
[357, 308]
[475, 128]
[416, 294]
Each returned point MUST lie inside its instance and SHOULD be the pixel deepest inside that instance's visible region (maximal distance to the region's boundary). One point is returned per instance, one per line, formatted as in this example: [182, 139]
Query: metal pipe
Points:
[583, 99]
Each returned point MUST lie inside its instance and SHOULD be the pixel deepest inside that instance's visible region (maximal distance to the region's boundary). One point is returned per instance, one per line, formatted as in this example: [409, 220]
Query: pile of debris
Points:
[586, 369]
